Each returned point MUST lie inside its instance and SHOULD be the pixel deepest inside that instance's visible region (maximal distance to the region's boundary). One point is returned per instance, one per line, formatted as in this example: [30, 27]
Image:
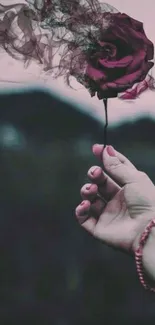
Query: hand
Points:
[130, 197]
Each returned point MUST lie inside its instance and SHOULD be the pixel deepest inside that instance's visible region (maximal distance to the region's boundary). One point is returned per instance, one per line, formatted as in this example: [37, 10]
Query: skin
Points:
[130, 197]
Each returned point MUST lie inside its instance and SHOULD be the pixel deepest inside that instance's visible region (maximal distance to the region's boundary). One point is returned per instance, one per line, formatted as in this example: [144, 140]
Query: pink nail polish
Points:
[88, 187]
[93, 171]
[111, 151]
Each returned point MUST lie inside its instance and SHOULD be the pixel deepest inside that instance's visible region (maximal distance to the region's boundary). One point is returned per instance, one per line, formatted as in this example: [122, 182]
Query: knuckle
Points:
[114, 164]
[143, 175]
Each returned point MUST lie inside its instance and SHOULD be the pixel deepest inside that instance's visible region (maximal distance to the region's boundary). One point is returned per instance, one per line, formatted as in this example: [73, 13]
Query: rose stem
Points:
[105, 101]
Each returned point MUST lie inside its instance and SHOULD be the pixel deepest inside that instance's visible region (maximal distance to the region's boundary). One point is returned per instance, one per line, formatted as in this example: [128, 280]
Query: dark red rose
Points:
[120, 59]
[106, 51]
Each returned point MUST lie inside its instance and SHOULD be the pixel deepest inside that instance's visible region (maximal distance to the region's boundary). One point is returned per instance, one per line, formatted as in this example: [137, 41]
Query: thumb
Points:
[121, 170]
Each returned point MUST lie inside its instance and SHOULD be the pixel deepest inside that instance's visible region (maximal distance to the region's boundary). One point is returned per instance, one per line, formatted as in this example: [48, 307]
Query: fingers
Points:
[89, 192]
[92, 206]
[118, 166]
[86, 214]
[106, 186]
[86, 221]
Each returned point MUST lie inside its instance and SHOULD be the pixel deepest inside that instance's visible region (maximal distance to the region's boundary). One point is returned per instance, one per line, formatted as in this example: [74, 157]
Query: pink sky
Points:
[118, 110]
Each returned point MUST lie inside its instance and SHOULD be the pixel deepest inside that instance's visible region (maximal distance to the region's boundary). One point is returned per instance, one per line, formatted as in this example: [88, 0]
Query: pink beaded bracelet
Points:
[139, 253]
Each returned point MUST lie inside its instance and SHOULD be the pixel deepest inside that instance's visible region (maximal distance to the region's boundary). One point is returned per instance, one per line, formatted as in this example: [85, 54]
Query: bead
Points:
[138, 255]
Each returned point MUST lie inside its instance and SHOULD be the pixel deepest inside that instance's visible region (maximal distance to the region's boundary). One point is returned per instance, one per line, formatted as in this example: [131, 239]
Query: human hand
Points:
[130, 196]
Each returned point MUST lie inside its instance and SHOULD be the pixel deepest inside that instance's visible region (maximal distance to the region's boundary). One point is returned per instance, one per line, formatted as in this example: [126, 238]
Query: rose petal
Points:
[131, 21]
[123, 63]
[128, 95]
[95, 74]
[137, 24]
[116, 32]
[111, 46]
[133, 93]
[121, 15]
[137, 61]
[151, 82]
[128, 81]
[137, 35]
[134, 37]
[150, 51]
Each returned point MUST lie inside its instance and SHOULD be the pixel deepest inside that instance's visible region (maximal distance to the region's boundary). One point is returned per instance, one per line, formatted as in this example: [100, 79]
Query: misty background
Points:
[51, 270]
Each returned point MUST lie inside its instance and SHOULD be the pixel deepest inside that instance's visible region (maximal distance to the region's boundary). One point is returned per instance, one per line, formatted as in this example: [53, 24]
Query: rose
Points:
[120, 59]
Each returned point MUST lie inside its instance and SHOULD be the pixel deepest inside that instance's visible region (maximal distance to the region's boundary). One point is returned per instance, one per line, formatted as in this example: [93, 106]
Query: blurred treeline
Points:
[51, 271]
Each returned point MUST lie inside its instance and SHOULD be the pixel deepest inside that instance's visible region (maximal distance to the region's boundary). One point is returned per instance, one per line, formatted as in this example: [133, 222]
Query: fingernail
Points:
[93, 170]
[96, 144]
[111, 151]
[82, 203]
[88, 187]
